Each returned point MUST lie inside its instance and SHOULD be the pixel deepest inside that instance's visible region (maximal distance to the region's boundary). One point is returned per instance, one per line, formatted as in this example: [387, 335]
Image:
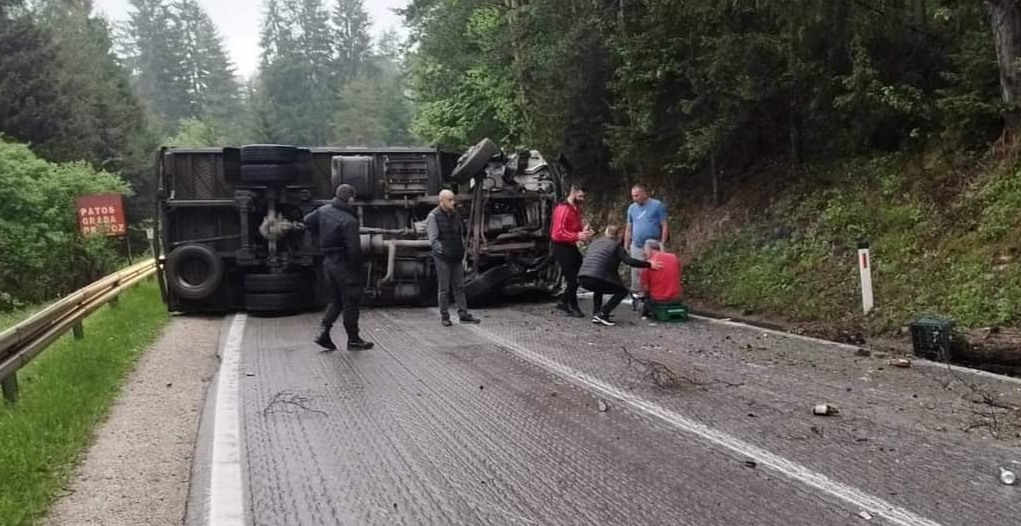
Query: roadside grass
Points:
[65, 393]
[11, 318]
[935, 251]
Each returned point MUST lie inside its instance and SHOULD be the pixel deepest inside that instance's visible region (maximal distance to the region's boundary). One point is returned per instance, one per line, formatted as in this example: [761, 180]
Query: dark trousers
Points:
[569, 259]
[450, 279]
[599, 287]
[346, 296]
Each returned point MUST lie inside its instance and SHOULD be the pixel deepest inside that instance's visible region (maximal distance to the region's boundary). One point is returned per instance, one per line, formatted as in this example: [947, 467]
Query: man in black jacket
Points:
[336, 226]
[445, 231]
[599, 273]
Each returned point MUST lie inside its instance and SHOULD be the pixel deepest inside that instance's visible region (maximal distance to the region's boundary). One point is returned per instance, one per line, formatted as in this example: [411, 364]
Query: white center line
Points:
[790, 469]
[226, 491]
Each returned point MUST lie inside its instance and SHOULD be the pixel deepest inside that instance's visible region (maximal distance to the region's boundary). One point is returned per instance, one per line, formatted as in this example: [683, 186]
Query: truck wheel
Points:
[274, 302]
[269, 154]
[194, 271]
[474, 160]
[289, 282]
[268, 174]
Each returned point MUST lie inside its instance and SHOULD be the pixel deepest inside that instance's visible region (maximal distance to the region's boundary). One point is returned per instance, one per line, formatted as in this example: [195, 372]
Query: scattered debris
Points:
[1007, 476]
[249, 374]
[865, 515]
[170, 384]
[603, 407]
[481, 387]
[289, 402]
[864, 353]
[817, 430]
[903, 363]
[662, 376]
[750, 464]
[825, 410]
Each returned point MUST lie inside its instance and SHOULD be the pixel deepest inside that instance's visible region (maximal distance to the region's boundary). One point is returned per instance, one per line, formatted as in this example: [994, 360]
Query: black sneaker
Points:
[446, 322]
[576, 313]
[468, 318]
[562, 307]
[603, 319]
[359, 345]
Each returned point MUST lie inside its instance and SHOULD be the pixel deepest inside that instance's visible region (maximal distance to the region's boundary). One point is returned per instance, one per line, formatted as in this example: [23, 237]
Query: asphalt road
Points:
[503, 423]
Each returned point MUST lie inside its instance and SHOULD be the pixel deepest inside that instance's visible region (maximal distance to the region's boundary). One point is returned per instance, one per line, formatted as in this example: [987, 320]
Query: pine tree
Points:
[214, 93]
[353, 42]
[154, 46]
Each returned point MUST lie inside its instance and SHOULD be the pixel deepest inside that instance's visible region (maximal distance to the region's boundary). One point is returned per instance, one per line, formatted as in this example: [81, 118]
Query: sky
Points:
[238, 22]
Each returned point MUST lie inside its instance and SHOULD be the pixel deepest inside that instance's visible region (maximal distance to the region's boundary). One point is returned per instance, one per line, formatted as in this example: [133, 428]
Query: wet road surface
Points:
[501, 423]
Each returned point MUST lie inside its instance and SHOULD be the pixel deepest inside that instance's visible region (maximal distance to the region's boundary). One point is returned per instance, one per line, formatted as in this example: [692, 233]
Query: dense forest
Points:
[780, 132]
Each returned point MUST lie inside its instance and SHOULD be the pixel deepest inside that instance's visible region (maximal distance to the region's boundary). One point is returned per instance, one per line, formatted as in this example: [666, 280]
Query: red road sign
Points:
[102, 214]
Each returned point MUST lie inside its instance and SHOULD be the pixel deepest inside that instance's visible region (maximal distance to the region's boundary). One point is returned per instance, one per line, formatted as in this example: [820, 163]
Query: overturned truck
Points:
[230, 234]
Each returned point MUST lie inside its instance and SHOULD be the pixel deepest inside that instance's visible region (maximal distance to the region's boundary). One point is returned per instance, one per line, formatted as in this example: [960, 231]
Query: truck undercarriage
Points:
[230, 233]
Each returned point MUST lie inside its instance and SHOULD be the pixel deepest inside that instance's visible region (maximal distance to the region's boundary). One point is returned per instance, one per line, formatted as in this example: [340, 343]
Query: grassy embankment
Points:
[65, 393]
[945, 237]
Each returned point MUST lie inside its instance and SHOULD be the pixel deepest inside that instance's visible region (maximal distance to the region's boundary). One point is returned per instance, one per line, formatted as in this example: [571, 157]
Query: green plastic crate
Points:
[931, 337]
[670, 313]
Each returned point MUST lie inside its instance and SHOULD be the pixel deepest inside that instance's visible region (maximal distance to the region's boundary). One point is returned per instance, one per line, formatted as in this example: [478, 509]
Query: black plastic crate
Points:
[931, 337]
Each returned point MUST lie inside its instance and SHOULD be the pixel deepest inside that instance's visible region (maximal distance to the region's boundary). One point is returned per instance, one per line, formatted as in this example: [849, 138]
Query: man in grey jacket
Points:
[599, 273]
[445, 230]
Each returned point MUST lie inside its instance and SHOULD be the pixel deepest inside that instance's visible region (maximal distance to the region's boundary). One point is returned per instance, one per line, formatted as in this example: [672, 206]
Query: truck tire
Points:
[269, 154]
[269, 174]
[474, 160]
[288, 282]
[273, 302]
[194, 271]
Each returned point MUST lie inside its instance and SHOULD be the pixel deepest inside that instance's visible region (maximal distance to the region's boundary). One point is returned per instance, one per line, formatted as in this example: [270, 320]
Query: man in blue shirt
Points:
[646, 219]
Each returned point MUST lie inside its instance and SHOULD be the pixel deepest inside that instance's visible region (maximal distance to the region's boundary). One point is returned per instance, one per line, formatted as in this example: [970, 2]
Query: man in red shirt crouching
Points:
[663, 286]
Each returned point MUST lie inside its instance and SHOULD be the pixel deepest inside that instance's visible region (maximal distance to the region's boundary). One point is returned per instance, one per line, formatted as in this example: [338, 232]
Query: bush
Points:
[43, 254]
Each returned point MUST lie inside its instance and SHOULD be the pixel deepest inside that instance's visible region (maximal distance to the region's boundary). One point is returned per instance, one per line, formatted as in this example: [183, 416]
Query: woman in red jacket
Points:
[567, 230]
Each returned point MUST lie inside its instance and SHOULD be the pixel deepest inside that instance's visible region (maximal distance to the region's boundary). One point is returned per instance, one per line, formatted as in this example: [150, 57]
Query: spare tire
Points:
[287, 282]
[194, 271]
[274, 302]
[269, 174]
[474, 160]
[269, 154]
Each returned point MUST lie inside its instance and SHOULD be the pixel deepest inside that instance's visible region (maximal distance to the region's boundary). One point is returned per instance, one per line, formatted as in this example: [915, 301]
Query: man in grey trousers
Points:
[446, 230]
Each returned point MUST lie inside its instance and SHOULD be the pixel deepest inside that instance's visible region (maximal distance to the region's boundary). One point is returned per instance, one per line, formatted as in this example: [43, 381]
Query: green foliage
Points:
[194, 133]
[926, 258]
[43, 254]
[65, 394]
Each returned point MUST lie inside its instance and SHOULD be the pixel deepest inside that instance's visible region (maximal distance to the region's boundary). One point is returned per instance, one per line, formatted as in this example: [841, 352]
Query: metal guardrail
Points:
[23, 342]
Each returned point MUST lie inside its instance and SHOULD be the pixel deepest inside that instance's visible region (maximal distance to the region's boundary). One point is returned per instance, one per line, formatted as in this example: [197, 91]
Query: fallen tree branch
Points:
[289, 402]
[662, 376]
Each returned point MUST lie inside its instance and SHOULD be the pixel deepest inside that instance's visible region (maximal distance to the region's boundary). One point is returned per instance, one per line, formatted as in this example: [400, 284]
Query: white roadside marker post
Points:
[865, 268]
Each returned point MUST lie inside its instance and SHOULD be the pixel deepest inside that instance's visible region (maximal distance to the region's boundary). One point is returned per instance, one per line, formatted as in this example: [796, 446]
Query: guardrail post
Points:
[78, 330]
[114, 301]
[10, 388]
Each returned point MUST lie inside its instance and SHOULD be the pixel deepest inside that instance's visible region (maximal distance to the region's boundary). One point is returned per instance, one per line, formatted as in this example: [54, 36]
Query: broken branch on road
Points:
[290, 402]
[662, 376]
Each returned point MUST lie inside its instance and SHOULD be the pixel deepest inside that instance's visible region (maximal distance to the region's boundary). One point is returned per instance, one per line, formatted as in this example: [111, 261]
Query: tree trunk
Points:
[1005, 19]
[716, 179]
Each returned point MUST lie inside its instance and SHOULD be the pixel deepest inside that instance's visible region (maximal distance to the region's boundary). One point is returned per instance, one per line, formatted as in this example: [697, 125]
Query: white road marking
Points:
[853, 496]
[226, 490]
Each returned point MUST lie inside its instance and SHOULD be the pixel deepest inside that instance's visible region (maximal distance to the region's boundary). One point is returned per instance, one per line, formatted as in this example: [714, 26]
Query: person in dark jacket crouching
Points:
[336, 226]
[445, 231]
[599, 273]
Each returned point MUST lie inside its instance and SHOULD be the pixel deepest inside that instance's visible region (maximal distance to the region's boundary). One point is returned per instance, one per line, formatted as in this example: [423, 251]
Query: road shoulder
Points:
[137, 469]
